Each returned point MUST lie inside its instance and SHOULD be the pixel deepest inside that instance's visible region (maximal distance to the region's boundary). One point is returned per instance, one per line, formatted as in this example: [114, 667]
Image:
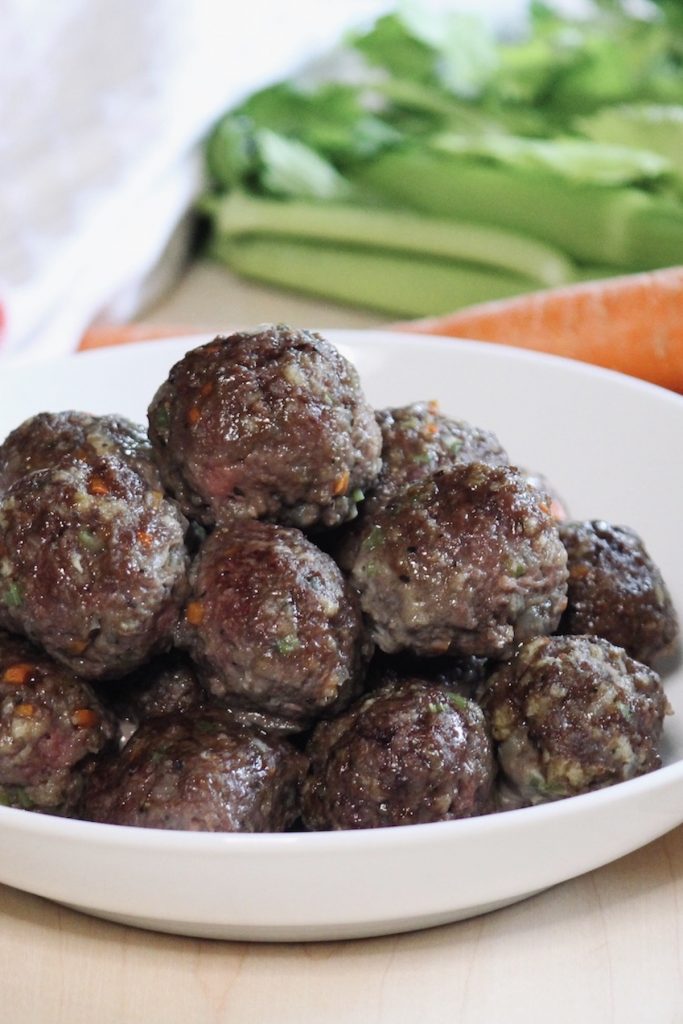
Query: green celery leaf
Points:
[655, 127]
[231, 151]
[465, 49]
[445, 49]
[390, 45]
[574, 66]
[333, 119]
[576, 160]
[291, 169]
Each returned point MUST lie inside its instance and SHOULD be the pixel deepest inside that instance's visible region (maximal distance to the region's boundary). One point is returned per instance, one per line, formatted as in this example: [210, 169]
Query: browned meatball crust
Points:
[92, 565]
[49, 722]
[469, 561]
[615, 590]
[272, 624]
[166, 685]
[549, 495]
[170, 685]
[571, 714]
[403, 755]
[418, 440]
[198, 772]
[43, 441]
[270, 424]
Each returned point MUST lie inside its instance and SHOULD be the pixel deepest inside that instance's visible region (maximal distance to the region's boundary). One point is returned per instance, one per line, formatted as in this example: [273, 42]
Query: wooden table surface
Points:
[606, 947]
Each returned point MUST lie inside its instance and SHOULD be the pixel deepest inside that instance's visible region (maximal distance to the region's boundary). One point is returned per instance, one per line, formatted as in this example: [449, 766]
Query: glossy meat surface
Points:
[45, 440]
[615, 590]
[402, 755]
[198, 772]
[573, 713]
[92, 565]
[50, 721]
[468, 561]
[270, 424]
[272, 624]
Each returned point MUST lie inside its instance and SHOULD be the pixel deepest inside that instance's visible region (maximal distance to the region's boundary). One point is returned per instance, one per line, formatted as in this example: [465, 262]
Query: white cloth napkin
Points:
[103, 105]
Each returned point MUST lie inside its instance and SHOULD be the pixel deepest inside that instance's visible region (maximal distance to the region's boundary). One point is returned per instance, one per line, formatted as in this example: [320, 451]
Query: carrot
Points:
[98, 486]
[632, 323]
[85, 718]
[19, 673]
[194, 613]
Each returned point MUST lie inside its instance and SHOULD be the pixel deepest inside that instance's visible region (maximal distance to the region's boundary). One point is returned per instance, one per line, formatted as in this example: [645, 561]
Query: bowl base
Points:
[332, 932]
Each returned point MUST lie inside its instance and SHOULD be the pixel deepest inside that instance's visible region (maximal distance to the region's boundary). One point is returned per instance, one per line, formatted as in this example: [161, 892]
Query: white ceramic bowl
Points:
[612, 448]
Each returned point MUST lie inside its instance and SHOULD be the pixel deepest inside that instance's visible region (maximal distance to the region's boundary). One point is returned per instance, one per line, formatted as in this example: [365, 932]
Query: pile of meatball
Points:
[280, 609]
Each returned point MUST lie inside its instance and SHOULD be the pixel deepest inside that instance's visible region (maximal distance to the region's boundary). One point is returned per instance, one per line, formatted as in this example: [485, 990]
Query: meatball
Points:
[615, 590]
[571, 714]
[556, 504]
[418, 440]
[272, 624]
[270, 424]
[169, 685]
[469, 561]
[199, 772]
[43, 441]
[50, 721]
[402, 755]
[166, 685]
[92, 565]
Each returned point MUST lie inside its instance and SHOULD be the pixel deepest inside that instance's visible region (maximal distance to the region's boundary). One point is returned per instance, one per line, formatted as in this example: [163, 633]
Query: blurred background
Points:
[391, 160]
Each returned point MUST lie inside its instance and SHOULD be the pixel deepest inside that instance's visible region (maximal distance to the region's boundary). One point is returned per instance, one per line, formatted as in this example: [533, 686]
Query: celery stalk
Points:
[238, 214]
[374, 278]
[622, 227]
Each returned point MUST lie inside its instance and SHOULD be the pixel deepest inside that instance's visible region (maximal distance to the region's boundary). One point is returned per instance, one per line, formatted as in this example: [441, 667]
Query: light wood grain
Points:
[605, 947]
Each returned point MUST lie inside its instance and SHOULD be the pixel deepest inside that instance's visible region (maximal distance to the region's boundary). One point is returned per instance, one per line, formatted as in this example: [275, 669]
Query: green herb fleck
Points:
[550, 790]
[454, 445]
[422, 458]
[89, 540]
[437, 709]
[14, 595]
[458, 700]
[516, 568]
[357, 495]
[16, 796]
[287, 644]
[625, 710]
[374, 539]
[162, 418]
